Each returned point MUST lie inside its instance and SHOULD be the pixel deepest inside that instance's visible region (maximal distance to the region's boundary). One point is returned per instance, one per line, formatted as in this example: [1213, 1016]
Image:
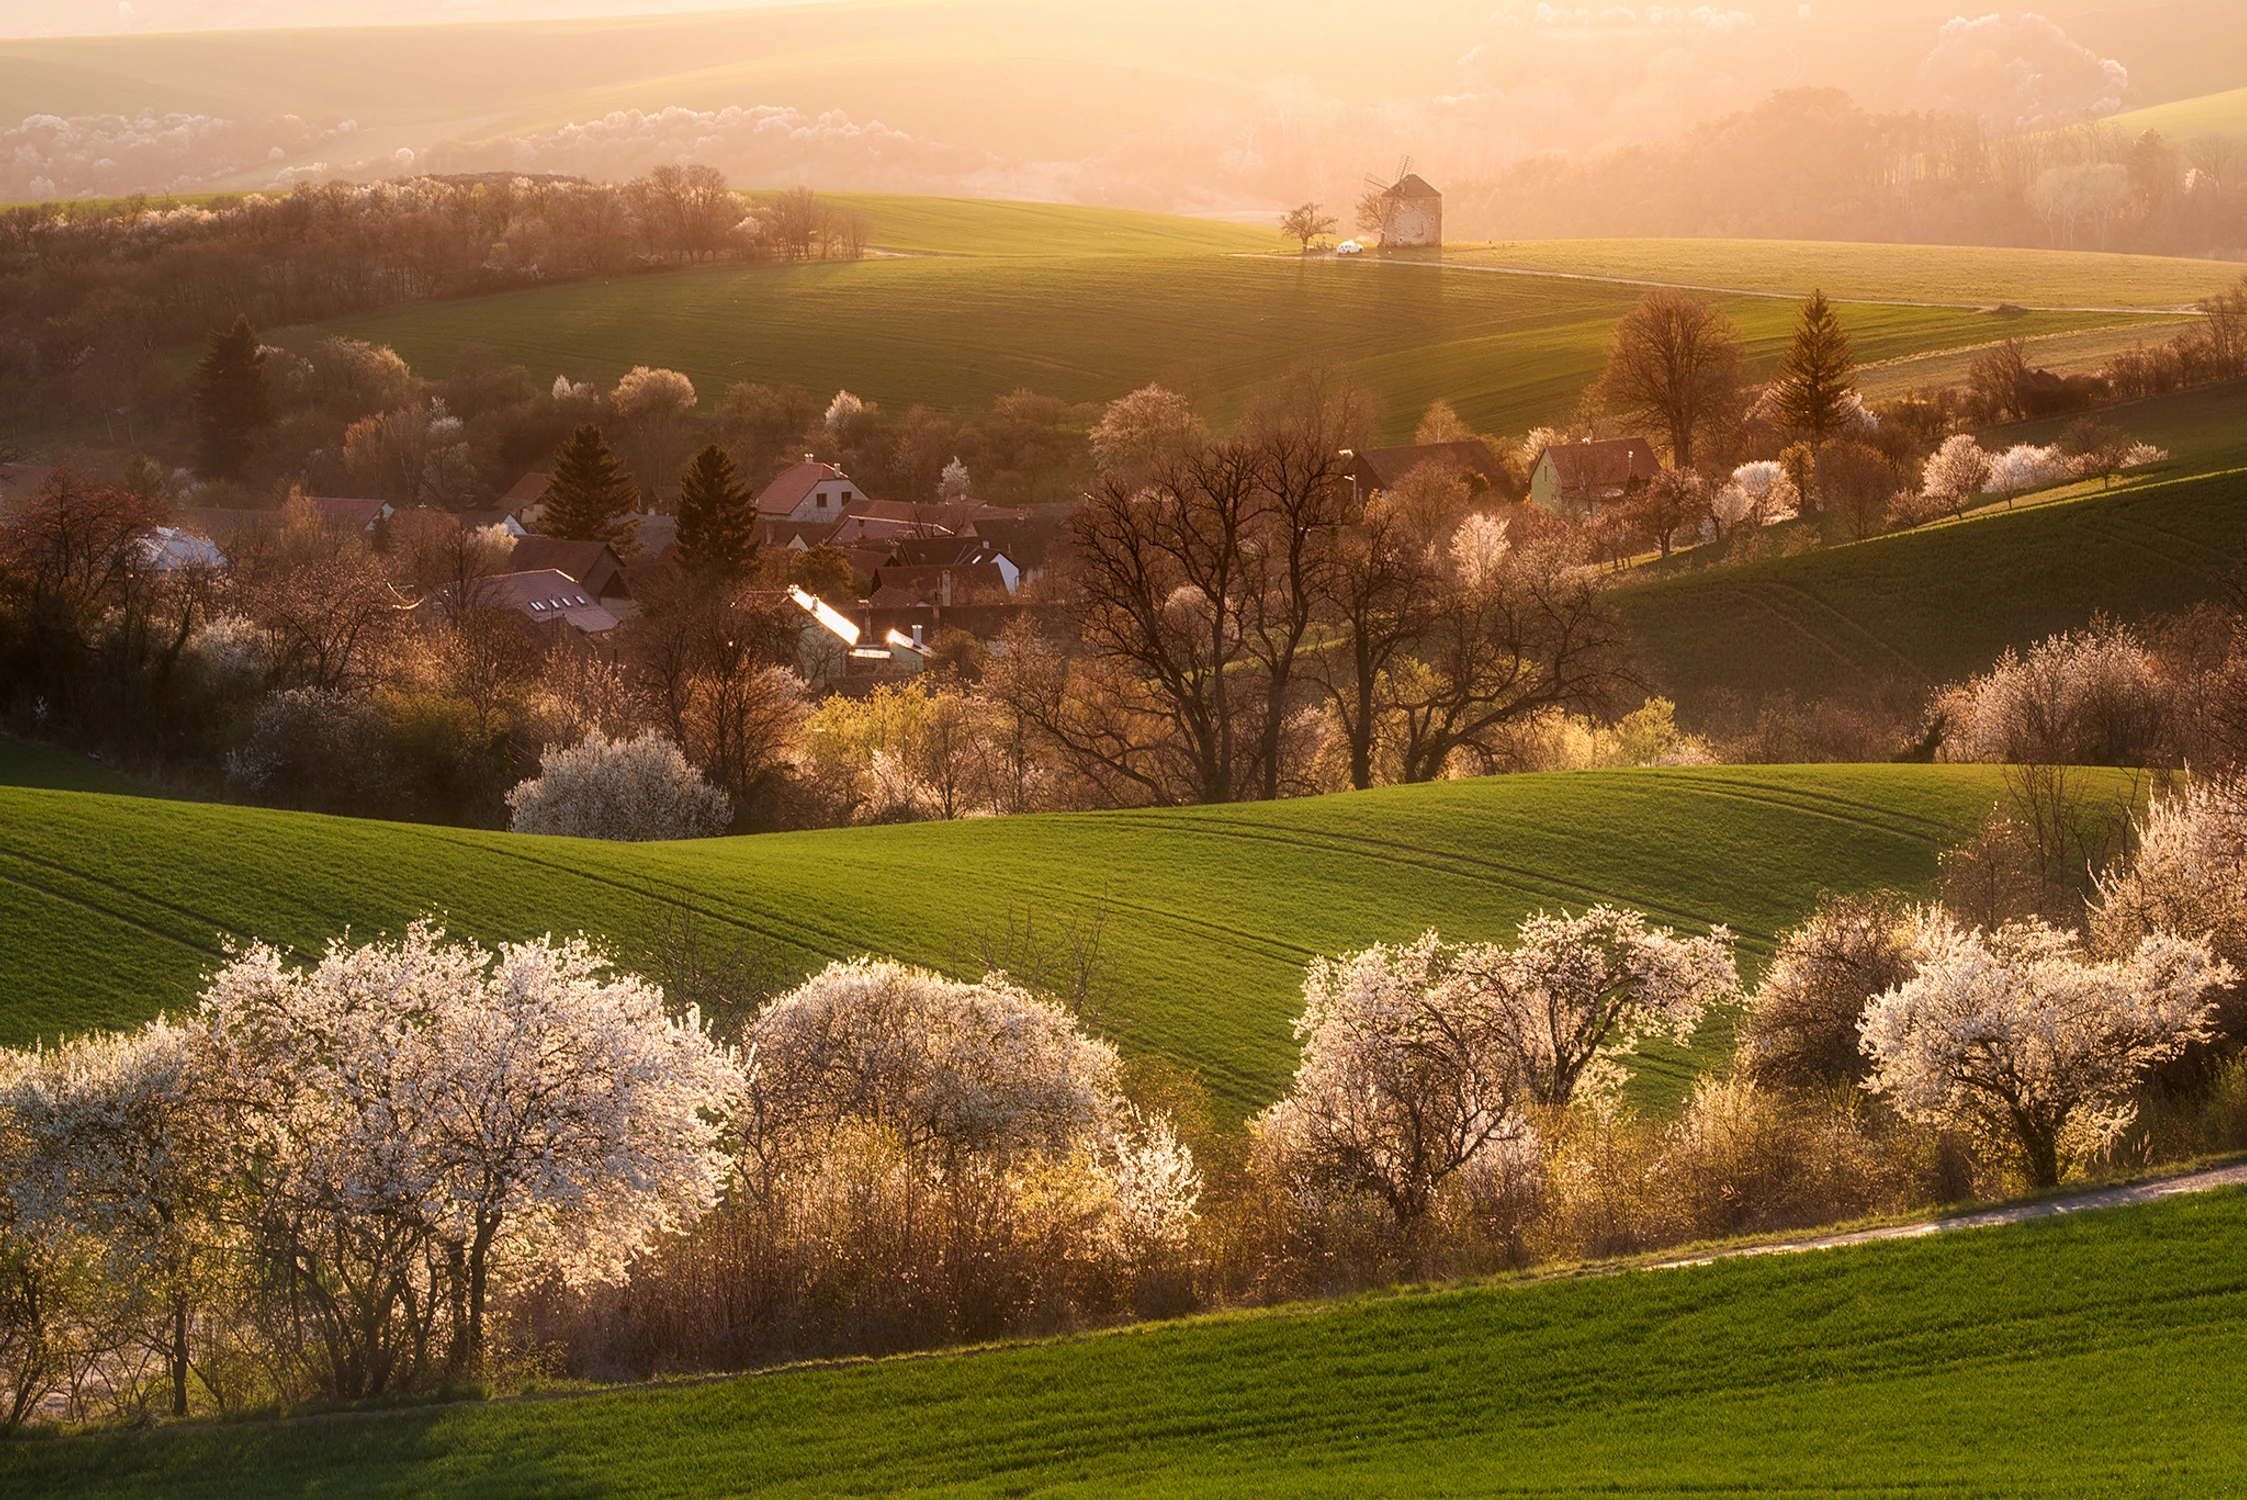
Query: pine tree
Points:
[717, 517]
[588, 494]
[1817, 378]
[229, 401]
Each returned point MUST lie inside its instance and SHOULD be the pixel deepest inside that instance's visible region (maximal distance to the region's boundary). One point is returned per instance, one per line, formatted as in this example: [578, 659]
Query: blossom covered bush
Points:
[2016, 1038]
[634, 790]
[1760, 493]
[1424, 1061]
[2088, 697]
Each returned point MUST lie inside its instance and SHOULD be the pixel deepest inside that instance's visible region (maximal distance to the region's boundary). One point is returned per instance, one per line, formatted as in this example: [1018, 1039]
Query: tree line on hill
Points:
[93, 296]
[417, 1165]
[1812, 164]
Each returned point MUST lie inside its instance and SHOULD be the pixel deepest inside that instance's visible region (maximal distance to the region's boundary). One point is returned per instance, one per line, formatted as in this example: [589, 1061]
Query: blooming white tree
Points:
[1579, 993]
[2016, 1038]
[2025, 466]
[843, 413]
[1954, 472]
[119, 1145]
[2188, 873]
[1758, 494]
[952, 1070]
[953, 483]
[1153, 1185]
[633, 790]
[418, 1114]
[1478, 550]
[1408, 1075]
[1136, 431]
[2090, 697]
[645, 394]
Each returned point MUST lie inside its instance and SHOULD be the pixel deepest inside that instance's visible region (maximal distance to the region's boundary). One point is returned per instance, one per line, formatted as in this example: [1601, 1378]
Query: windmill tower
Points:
[1411, 210]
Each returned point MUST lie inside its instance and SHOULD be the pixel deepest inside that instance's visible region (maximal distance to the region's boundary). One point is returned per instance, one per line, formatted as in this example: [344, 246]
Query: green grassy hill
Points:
[903, 224]
[2093, 1354]
[1938, 604]
[1106, 303]
[112, 907]
[1949, 275]
[2182, 119]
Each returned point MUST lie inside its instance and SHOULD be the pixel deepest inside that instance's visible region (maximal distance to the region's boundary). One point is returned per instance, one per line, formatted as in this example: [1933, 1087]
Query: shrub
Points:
[632, 790]
[1800, 1027]
[2016, 1039]
[2089, 697]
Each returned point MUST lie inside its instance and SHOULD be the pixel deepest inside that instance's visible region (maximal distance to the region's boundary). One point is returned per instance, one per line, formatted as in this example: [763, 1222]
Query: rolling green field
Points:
[987, 227]
[1938, 604]
[955, 332]
[2094, 1354]
[2182, 119]
[112, 907]
[1948, 275]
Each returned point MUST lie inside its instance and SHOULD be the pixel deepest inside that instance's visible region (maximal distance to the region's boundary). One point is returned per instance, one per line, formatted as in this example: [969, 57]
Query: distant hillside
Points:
[1089, 304]
[1934, 605]
[111, 907]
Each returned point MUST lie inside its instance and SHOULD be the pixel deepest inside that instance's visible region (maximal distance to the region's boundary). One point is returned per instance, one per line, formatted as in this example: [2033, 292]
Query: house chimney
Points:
[916, 637]
[946, 576]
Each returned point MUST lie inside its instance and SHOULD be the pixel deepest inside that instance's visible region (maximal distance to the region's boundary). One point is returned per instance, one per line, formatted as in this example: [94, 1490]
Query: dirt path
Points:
[2126, 1196]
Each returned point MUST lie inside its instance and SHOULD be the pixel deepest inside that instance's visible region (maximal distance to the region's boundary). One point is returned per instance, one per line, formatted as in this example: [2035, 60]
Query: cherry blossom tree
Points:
[1579, 993]
[2025, 466]
[953, 1070]
[1954, 473]
[1408, 1075]
[410, 1116]
[634, 790]
[2014, 1037]
[119, 1144]
[1758, 494]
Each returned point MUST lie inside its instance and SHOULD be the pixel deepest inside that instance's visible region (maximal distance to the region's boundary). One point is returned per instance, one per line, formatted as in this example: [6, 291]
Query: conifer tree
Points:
[588, 495]
[229, 400]
[1817, 378]
[717, 517]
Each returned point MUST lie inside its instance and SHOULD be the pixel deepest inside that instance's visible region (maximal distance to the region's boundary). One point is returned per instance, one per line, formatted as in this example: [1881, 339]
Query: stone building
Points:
[1411, 213]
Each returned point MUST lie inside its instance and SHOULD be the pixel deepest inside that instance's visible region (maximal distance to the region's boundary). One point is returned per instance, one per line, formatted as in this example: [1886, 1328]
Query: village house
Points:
[1577, 479]
[594, 565]
[1374, 471]
[547, 597]
[809, 491]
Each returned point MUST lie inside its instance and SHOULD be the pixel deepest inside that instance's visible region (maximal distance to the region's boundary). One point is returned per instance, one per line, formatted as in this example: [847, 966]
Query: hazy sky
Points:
[112, 17]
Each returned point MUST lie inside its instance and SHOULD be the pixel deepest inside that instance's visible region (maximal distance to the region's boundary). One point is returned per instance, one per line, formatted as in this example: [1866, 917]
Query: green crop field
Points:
[1935, 605]
[988, 227]
[2181, 120]
[1950, 275]
[954, 332]
[2094, 1354]
[112, 907]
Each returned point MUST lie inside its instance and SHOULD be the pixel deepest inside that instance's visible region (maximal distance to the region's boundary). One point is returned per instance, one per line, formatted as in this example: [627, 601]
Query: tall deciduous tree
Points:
[1676, 360]
[589, 495]
[1817, 377]
[717, 517]
[230, 402]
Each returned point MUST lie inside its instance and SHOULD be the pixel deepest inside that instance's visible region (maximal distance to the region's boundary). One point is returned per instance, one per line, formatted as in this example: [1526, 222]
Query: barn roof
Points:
[1610, 463]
